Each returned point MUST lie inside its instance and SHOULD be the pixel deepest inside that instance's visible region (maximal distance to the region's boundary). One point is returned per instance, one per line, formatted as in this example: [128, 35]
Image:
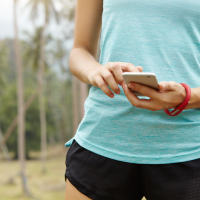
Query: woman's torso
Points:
[164, 38]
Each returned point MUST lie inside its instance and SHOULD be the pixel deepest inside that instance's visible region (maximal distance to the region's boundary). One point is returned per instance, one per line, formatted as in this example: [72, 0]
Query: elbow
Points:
[70, 61]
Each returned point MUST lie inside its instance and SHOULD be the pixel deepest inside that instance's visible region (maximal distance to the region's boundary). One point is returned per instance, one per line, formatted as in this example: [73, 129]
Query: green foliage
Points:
[3, 55]
[57, 79]
[32, 130]
[59, 102]
[58, 99]
[8, 110]
[4, 64]
[31, 48]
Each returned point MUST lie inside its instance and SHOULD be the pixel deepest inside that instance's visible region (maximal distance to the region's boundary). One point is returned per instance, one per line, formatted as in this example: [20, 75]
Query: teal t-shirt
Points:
[164, 38]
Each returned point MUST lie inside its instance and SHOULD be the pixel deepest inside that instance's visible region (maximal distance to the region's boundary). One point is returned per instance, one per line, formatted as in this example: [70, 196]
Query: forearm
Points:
[81, 62]
[195, 99]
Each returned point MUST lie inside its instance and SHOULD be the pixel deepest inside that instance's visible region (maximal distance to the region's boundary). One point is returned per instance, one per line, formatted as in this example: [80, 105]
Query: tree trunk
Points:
[41, 100]
[12, 126]
[75, 104]
[20, 102]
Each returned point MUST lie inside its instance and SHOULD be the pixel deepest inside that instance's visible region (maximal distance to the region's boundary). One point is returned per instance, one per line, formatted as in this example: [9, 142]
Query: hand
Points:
[171, 94]
[110, 74]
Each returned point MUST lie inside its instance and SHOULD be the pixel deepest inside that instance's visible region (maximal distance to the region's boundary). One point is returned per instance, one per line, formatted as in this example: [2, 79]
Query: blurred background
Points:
[41, 103]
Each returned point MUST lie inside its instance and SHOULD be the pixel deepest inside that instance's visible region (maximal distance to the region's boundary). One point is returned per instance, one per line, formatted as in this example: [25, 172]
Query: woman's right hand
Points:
[110, 74]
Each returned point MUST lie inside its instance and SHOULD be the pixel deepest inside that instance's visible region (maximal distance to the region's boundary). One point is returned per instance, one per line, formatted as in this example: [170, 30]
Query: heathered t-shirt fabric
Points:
[164, 38]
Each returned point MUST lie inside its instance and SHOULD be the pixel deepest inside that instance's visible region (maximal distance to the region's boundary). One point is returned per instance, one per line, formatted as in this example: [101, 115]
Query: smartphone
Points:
[145, 78]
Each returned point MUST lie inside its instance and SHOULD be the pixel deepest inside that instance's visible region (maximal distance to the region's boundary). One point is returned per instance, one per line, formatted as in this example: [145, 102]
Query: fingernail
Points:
[164, 86]
[122, 83]
[112, 95]
[124, 87]
[118, 91]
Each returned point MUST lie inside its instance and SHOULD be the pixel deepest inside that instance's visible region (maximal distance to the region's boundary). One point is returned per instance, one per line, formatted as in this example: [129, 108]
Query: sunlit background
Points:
[41, 103]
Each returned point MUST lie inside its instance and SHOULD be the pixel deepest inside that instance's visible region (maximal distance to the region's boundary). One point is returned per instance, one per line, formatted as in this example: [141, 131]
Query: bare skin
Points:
[82, 60]
[171, 94]
[83, 65]
[72, 193]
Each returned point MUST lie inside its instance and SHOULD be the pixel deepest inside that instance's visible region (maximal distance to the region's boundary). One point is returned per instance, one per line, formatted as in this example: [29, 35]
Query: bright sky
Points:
[6, 18]
[6, 22]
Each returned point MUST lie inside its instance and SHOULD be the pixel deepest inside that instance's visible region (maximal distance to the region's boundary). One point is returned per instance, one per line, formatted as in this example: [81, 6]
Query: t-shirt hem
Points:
[133, 159]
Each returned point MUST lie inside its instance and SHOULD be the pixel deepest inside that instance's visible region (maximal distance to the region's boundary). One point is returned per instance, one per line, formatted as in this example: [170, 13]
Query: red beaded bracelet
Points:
[181, 107]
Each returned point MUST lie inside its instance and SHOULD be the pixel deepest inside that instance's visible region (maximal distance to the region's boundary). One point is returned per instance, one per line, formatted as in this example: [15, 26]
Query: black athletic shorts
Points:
[101, 178]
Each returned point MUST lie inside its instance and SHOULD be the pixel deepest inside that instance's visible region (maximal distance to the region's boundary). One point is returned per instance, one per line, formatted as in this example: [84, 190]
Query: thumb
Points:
[168, 86]
[140, 68]
[163, 86]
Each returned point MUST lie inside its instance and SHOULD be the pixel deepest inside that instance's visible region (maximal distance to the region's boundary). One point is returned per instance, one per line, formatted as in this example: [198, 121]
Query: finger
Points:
[139, 103]
[129, 67]
[103, 86]
[117, 72]
[130, 96]
[168, 86]
[109, 78]
[162, 85]
[145, 90]
[140, 68]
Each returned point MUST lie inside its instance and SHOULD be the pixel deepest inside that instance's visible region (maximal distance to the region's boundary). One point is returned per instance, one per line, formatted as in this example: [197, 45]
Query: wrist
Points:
[194, 100]
[90, 71]
[183, 105]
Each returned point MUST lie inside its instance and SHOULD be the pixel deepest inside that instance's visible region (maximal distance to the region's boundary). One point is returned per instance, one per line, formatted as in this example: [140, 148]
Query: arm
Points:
[195, 99]
[82, 60]
[87, 29]
[171, 95]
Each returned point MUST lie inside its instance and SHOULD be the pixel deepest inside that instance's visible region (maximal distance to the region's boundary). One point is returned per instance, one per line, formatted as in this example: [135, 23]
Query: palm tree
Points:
[31, 58]
[20, 100]
[3, 67]
[36, 56]
[32, 48]
[49, 11]
[3, 62]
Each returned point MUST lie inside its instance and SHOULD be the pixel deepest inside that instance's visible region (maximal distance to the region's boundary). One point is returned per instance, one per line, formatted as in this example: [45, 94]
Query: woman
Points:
[126, 147]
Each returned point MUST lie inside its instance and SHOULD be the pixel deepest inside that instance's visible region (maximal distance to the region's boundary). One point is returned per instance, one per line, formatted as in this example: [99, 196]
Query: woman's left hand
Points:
[171, 94]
